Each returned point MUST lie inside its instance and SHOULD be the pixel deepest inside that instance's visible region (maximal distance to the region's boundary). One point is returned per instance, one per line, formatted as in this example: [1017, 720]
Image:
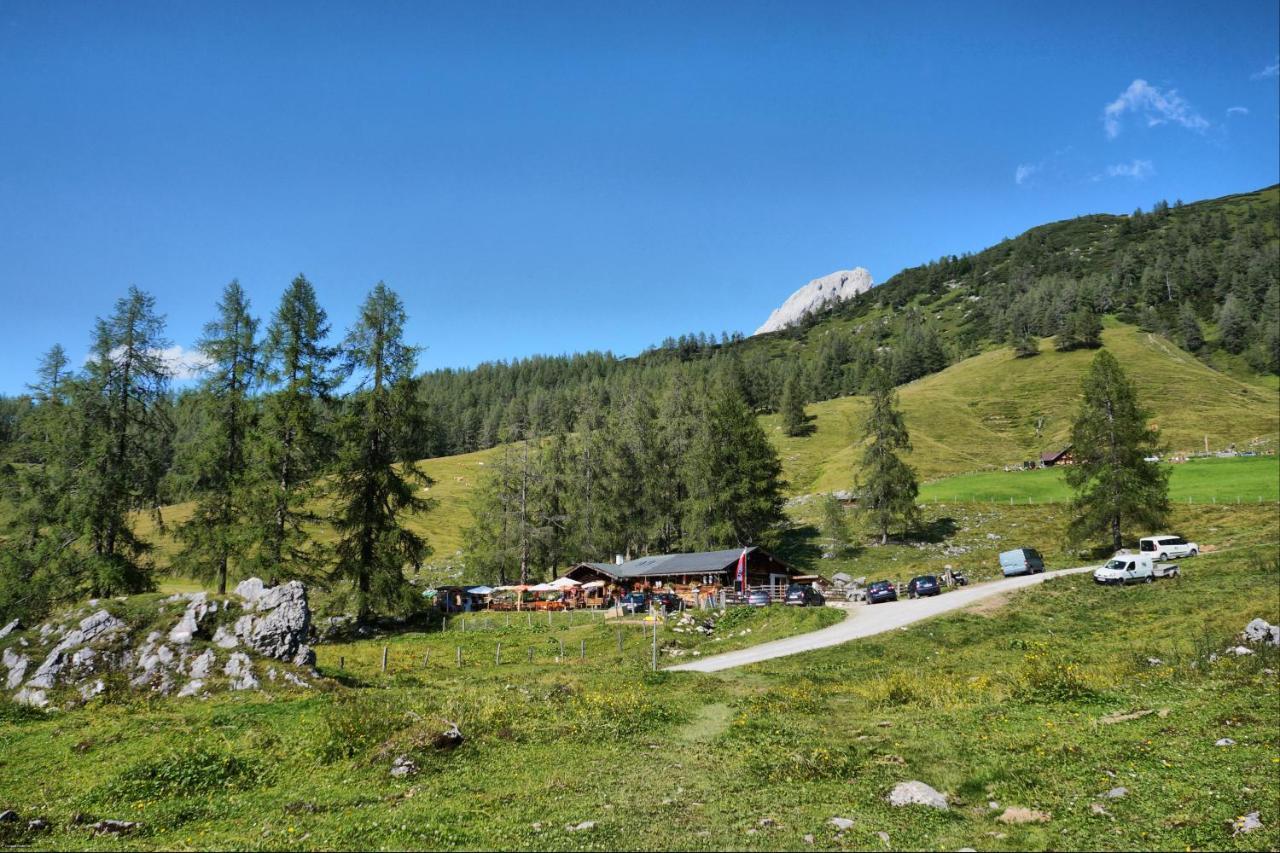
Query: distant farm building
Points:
[1050, 458]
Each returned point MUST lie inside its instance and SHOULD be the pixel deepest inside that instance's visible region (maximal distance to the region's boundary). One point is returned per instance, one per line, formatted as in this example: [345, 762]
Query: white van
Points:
[1167, 547]
[1133, 568]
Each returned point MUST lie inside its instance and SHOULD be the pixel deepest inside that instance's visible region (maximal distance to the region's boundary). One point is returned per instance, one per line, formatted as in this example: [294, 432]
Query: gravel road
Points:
[867, 620]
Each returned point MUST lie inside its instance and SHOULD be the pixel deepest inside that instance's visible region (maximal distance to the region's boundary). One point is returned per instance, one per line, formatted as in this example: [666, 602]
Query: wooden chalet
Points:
[1057, 457]
[696, 577]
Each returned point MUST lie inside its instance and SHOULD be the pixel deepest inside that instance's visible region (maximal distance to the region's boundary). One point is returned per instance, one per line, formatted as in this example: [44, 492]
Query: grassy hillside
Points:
[980, 414]
[983, 412]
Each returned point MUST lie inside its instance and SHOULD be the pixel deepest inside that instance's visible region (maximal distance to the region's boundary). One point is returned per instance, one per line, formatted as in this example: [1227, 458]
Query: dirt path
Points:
[868, 620]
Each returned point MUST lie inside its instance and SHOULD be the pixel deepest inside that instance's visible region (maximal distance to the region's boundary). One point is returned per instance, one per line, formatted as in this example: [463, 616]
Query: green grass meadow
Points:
[1008, 705]
[1231, 480]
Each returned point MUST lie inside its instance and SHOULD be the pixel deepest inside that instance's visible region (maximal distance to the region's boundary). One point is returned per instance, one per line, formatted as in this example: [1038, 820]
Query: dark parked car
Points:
[923, 585]
[804, 595]
[668, 601]
[881, 591]
[634, 602]
[758, 598]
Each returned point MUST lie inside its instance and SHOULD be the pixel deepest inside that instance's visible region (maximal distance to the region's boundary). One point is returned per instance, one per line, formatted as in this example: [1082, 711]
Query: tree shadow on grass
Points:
[802, 547]
[934, 531]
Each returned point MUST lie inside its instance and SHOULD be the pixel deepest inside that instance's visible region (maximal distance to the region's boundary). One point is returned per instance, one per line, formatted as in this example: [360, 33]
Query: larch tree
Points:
[217, 532]
[887, 485]
[377, 478]
[122, 400]
[292, 444]
[794, 421]
[1111, 440]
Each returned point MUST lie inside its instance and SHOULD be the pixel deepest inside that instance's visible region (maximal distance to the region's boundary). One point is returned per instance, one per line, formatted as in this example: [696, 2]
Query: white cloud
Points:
[1136, 169]
[1237, 111]
[1272, 70]
[1157, 106]
[183, 363]
[1024, 172]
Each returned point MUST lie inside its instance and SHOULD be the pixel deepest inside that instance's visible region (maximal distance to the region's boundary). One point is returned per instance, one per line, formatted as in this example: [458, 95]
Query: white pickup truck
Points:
[1167, 547]
[1126, 568]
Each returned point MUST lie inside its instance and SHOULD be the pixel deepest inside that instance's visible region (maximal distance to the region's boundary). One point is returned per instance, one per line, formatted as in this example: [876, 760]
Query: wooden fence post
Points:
[582, 650]
[342, 662]
[459, 655]
[531, 654]
[497, 656]
[384, 659]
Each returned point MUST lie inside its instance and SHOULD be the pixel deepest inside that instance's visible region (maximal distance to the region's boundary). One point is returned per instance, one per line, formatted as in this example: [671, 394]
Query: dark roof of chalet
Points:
[702, 562]
[1054, 455]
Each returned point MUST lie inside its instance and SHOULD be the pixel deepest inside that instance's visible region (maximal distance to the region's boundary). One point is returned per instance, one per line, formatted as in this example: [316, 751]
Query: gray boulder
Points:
[239, 670]
[915, 793]
[198, 609]
[1257, 631]
[10, 628]
[278, 621]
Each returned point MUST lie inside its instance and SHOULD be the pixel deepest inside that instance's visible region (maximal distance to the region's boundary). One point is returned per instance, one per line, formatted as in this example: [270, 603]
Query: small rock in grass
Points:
[1017, 814]
[1246, 823]
[841, 823]
[1099, 809]
[916, 793]
[585, 826]
[993, 805]
[403, 766]
[883, 836]
[753, 831]
[536, 827]
[8, 816]
[114, 827]
[37, 825]
[1154, 662]
[1224, 741]
[1117, 793]
[1257, 631]
[767, 821]
[1241, 651]
[808, 839]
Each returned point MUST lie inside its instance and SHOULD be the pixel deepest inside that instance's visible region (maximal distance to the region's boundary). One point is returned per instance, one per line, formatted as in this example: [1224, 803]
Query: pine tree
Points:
[217, 532]
[1233, 324]
[125, 432]
[1110, 441]
[734, 477]
[37, 567]
[794, 421]
[887, 488]
[1189, 326]
[292, 444]
[835, 525]
[376, 472]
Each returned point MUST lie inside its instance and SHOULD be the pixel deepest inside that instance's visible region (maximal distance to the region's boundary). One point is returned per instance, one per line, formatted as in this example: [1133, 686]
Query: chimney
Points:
[617, 560]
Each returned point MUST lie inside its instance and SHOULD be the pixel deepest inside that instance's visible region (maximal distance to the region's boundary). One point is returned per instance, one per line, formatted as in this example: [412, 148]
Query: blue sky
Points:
[546, 178]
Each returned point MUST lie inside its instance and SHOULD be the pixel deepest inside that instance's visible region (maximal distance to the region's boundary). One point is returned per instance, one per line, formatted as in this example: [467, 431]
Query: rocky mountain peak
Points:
[817, 294]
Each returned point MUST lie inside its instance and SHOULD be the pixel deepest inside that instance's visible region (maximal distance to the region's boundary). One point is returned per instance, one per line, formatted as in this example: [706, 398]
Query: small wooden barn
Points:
[1050, 458]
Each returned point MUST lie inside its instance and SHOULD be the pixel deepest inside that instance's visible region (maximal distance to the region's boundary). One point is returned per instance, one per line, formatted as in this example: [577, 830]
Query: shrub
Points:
[191, 770]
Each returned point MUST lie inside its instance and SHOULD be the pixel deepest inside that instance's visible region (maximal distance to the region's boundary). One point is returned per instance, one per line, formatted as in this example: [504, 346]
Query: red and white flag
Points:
[742, 570]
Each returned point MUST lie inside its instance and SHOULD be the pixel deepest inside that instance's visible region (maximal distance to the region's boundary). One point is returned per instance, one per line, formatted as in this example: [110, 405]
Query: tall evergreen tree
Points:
[1233, 324]
[794, 421]
[1189, 326]
[293, 442]
[127, 384]
[38, 566]
[1110, 440]
[217, 532]
[376, 472]
[734, 477]
[887, 487]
